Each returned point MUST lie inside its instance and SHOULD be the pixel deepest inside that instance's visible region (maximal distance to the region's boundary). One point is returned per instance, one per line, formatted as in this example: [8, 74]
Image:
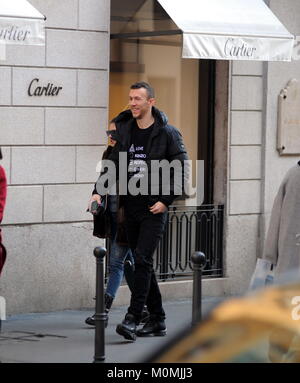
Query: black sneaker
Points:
[90, 320]
[127, 328]
[153, 327]
[145, 315]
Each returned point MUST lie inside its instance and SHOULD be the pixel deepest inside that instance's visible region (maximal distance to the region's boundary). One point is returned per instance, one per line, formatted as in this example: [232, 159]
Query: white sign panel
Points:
[230, 30]
[21, 23]
[236, 48]
[288, 142]
[22, 31]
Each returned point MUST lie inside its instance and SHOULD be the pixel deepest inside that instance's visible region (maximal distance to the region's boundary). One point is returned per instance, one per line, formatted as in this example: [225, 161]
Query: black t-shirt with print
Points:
[137, 157]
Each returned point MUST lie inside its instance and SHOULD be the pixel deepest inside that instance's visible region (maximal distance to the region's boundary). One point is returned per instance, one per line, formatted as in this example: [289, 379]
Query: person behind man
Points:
[282, 252]
[106, 226]
[282, 241]
[144, 135]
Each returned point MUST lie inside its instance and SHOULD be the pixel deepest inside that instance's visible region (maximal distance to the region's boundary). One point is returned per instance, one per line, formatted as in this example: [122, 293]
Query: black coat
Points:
[3, 191]
[102, 222]
[165, 143]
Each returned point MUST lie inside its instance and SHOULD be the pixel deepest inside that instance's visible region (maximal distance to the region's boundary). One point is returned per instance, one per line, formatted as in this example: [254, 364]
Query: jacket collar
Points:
[125, 119]
[160, 120]
[160, 117]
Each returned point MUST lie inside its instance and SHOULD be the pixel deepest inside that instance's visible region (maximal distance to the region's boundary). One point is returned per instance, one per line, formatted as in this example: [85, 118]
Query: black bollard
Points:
[100, 315]
[199, 261]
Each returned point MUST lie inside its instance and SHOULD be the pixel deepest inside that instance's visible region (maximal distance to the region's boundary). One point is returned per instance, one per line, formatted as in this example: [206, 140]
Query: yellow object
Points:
[263, 325]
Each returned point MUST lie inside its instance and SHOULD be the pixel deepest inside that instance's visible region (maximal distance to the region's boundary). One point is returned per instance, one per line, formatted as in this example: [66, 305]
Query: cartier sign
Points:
[238, 48]
[37, 89]
[14, 33]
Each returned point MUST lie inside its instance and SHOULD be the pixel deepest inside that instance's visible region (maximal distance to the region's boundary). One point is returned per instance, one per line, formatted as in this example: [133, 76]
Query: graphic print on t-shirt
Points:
[137, 166]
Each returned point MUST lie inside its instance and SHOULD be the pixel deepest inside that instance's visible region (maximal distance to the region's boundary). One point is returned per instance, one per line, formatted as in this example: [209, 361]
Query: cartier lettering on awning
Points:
[14, 33]
[21, 23]
[230, 30]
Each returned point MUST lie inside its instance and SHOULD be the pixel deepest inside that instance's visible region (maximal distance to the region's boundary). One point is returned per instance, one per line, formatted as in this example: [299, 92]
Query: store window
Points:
[146, 46]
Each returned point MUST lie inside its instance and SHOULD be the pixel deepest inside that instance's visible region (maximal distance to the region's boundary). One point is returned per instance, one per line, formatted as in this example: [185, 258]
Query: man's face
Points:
[139, 102]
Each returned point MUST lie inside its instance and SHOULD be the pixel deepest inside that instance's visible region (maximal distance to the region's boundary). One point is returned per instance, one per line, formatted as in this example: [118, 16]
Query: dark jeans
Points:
[144, 230]
[118, 254]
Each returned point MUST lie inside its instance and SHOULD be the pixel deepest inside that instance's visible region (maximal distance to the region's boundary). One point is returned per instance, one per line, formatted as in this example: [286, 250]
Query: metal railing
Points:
[189, 229]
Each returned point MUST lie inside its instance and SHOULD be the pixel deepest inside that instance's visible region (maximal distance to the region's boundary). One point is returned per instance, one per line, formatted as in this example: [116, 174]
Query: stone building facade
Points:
[51, 145]
[52, 140]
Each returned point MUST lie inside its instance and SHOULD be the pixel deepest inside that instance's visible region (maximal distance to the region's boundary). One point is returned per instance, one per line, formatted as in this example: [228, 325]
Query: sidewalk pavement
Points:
[63, 337]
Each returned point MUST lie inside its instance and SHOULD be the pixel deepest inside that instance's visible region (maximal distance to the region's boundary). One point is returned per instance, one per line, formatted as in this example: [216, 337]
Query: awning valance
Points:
[230, 30]
[21, 23]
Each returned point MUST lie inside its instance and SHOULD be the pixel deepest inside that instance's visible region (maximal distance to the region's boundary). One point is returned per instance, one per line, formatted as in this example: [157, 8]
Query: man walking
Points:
[144, 134]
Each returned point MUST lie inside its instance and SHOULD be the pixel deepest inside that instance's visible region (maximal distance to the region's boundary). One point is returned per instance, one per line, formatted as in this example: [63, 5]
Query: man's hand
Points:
[95, 197]
[158, 207]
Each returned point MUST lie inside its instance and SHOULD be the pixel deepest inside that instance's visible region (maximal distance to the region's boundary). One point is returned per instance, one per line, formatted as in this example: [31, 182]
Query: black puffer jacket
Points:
[165, 143]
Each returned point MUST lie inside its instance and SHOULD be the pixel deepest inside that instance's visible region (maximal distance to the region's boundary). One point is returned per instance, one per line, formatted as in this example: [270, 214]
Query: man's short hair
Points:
[0, 154]
[142, 84]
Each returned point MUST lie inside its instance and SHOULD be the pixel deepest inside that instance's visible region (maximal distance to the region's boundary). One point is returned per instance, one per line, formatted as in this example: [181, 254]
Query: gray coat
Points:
[282, 246]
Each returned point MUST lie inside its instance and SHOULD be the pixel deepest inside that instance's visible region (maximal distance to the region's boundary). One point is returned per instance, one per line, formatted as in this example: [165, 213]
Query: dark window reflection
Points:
[139, 16]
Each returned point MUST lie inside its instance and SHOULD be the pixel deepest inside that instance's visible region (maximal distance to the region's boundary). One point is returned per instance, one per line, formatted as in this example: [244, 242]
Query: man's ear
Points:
[152, 101]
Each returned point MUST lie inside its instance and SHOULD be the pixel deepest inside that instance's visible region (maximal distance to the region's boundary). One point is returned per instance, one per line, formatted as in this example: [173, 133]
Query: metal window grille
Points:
[189, 229]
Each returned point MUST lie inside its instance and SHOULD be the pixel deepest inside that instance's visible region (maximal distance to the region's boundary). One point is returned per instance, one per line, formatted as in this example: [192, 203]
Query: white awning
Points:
[230, 30]
[21, 23]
